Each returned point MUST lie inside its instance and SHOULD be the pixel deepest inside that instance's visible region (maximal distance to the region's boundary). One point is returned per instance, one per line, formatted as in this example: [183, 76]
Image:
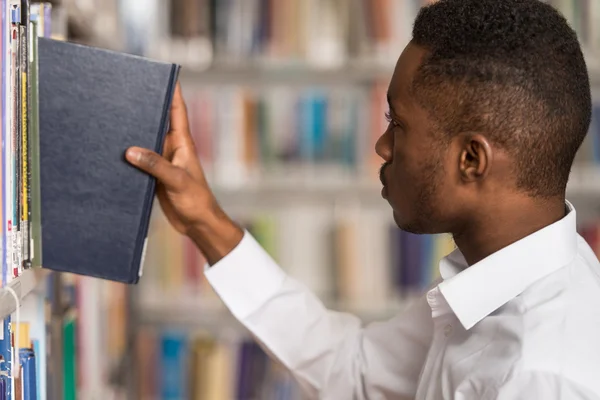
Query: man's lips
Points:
[382, 173]
[382, 179]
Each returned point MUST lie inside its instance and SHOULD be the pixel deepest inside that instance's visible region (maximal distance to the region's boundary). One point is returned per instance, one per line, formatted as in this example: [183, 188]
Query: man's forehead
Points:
[405, 70]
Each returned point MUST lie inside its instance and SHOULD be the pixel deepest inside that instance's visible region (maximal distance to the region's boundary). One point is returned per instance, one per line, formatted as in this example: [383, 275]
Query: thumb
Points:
[150, 162]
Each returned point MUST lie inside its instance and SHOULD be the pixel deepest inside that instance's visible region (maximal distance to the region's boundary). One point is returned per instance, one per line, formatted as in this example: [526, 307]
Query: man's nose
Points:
[384, 146]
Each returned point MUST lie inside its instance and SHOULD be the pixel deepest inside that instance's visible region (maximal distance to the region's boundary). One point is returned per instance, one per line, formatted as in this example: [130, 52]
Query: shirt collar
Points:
[475, 292]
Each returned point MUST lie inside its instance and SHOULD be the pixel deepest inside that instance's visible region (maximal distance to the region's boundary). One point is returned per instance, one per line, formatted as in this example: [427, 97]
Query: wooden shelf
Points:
[584, 187]
[211, 314]
[257, 75]
[301, 75]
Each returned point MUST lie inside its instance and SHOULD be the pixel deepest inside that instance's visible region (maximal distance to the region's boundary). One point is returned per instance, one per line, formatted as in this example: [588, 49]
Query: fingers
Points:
[148, 161]
[179, 133]
[179, 117]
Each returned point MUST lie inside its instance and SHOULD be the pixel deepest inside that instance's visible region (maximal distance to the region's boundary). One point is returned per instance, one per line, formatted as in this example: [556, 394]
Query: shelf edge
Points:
[22, 285]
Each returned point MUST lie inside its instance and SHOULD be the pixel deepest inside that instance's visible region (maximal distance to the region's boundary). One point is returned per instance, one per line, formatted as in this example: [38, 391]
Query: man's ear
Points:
[476, 157]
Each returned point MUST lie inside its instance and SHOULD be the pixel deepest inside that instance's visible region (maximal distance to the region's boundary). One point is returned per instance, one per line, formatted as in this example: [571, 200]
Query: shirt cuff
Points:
[246, 278]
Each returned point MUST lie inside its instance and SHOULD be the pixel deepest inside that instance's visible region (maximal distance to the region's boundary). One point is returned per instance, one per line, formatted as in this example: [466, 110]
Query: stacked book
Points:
[357, 260]
[245, 135]
[178, 364]
[293, 33]
[21, 220]
[21, 354]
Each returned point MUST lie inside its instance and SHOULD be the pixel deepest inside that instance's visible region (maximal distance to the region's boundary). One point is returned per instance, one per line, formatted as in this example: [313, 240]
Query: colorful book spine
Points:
[24, 155]
[27, 359]
[18, 379]
[15, 8]
[174, 373]
[4, 57]
[70, 357]
[6, 353]
[199, 365]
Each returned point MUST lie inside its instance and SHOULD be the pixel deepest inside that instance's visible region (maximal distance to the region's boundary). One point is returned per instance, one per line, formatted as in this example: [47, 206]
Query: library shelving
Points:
[34, 324]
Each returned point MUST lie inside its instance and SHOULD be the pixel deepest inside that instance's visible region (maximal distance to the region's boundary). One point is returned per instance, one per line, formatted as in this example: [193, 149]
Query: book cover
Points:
[96, 207]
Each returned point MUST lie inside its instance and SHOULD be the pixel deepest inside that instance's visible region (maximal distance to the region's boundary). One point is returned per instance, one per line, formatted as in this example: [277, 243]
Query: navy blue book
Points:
[93, 105]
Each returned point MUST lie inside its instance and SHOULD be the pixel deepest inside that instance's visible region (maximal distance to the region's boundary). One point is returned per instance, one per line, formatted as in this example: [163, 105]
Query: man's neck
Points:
[510, 222]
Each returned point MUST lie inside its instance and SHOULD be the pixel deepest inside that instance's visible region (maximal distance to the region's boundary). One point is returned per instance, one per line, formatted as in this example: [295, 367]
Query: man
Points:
[489, 103]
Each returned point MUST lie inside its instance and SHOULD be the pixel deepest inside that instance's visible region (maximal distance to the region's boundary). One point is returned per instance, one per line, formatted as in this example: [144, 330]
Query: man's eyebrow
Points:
[389, 101]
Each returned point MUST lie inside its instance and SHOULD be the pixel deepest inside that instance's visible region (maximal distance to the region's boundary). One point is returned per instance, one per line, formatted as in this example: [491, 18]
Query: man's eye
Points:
[389, 119]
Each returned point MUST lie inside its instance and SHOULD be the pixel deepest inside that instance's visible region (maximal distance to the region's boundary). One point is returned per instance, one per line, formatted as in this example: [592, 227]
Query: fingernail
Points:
[134, 155]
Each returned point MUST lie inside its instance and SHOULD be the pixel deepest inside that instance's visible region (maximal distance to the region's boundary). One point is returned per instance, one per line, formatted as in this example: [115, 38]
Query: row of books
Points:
[21, 220]
[23, 353]
[177, 364]
[20, 358]
[318, 33]
[243, 135]
[94, 336]
[357, 259]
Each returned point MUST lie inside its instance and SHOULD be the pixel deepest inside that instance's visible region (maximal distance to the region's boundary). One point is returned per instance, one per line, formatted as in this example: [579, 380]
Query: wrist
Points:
[216, 236]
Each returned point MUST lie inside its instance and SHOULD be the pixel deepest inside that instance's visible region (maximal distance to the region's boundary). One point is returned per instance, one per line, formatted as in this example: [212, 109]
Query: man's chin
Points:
[402, 222]
[408, 225]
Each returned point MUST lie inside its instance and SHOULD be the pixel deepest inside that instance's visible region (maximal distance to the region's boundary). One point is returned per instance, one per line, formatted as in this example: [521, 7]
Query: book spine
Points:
[11, 183]
[32, 147]
[6, 353]
[23, 153]
[25, 133]
[28, 377]
[203, 366]
[5, 131]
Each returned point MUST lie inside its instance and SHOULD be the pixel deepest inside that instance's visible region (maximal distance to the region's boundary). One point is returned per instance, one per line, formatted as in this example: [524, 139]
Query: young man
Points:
[489, 103]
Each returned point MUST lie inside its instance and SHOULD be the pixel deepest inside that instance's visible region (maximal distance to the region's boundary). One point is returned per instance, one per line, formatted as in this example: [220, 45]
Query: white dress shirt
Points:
[522, 324]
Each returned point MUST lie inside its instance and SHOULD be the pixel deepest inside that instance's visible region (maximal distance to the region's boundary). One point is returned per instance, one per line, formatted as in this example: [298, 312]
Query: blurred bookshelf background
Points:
[286, 99]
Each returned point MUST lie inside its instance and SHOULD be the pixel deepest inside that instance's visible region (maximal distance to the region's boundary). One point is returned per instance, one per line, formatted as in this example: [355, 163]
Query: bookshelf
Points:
[34, 310]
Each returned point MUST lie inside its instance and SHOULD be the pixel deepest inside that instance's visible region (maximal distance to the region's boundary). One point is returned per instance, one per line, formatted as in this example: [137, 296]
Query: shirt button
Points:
[431, 296]
[448, 330]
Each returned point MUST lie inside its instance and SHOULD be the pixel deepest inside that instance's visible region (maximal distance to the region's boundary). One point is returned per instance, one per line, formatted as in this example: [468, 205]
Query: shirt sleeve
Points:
[329, 353]
[529, 385]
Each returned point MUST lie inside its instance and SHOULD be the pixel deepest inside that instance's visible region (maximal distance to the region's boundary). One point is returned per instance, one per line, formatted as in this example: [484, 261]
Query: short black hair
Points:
[513, 69]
